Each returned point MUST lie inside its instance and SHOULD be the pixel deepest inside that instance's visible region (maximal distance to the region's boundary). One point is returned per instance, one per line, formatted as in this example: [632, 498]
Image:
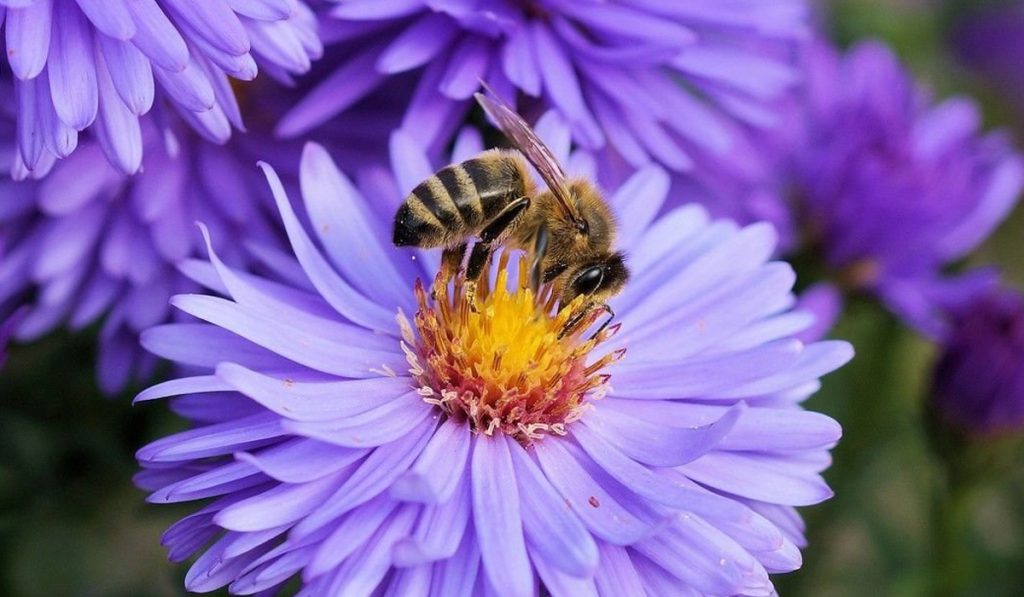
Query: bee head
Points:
[598, 279]
[596, 224]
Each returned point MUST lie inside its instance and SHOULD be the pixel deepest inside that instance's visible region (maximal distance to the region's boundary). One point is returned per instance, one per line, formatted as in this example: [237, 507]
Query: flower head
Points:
[100, 65]
[89, 241]
[502, 360]
[888, 185]
[356, 429]
[655, 81]
[978, 384]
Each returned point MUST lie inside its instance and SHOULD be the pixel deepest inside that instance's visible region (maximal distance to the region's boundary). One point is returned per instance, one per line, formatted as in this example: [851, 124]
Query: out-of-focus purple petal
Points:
[28, 38]
[72, 71]
[111, 17]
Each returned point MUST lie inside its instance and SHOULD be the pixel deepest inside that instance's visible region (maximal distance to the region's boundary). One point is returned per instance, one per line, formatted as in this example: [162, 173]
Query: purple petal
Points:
[118, 131]
[59, 138]
[281, 505]
[816, 360]
[156, 37]
[654, 487]
[496, 514]
[264, 10]
[703, 558]
[375, 474]
[305, 313]
[362, 573]
[301, 460]
[344, 87]
[279, 43]
[213, 440]
[188, 87]
[560, 583]
[214, 22]
[30, 138]
[336, 291]
[557, 537]
[130, 72]
[658, 444]
[758, 429]
[418, 44]
[356, 528]
[111, 17]
[313, 401]
[436, 474]
[616, 575]
[439, 532]
[225, 479]
[206, 346]
[240, 66]
[760, 477]
[384, 424]
[457, 576]
[319, 353]
[598, 509]
[349, 232]
[519, 63]
[184, 385]
[376, 9]
[652, 184]
[72, 69]
[467, 66]
[717, 375]
[28, 38]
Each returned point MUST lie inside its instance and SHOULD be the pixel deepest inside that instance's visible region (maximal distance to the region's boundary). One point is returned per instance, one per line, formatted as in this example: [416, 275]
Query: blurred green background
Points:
[71, 523]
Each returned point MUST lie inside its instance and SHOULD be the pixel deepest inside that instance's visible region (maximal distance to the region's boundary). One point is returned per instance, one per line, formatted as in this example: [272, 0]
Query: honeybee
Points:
[568, 228]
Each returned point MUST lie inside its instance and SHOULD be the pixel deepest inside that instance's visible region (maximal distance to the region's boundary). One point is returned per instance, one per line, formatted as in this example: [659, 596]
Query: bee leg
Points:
[451, 263]
[540, 248]
[451, 259]
[580, 315]
[493, 232]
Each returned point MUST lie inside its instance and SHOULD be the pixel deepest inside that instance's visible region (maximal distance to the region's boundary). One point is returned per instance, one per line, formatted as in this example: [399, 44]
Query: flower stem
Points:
[949, 529]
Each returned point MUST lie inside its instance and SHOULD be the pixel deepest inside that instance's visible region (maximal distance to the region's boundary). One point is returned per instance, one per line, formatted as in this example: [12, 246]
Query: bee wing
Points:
[526, 141]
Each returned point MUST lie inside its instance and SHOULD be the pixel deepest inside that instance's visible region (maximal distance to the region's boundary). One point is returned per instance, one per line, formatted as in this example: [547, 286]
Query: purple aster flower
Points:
[98, 65]
[892, 186]
[653, 80]
[89, 241]
[978, 384]
[372, 437]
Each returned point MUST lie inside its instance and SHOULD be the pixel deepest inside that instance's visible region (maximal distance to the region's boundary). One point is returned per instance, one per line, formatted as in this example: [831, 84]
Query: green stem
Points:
[949, 530]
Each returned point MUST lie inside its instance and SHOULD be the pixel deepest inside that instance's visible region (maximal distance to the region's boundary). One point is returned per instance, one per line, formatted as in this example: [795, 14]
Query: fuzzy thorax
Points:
[501, 359]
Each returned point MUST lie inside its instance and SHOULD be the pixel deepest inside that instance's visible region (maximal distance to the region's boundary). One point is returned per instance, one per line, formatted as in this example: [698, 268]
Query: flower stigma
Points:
[505, 360]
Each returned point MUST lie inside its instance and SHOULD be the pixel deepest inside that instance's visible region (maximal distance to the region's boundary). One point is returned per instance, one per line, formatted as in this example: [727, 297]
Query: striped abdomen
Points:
[459, 200]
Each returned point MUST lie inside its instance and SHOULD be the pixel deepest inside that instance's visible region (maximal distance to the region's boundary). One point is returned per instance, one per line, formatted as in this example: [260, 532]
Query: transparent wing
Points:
[529, 144]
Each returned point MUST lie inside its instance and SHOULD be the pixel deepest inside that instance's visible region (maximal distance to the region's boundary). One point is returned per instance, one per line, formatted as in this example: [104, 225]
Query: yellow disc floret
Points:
[505, 359]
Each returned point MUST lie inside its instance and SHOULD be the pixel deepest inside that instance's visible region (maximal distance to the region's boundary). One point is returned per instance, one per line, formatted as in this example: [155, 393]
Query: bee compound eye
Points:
[589, 281]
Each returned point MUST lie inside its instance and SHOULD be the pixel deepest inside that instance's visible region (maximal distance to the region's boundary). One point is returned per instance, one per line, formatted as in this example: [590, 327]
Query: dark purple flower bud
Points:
[978, 384]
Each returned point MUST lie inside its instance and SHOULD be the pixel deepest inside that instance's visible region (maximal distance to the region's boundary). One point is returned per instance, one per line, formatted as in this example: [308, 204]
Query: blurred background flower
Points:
[100, 65]
[654, 81]
[89, 242]
[979, 381]
[893, 187]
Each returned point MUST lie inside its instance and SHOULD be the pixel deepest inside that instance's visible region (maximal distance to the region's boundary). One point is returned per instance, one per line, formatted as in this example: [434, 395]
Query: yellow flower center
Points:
[504, 359]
